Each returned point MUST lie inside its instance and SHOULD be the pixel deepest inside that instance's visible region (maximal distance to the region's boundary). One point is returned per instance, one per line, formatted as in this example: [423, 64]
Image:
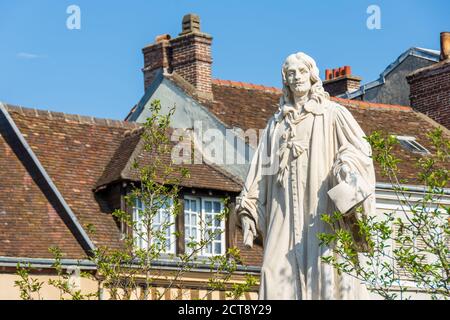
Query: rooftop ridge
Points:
[245, 85]
[55, 115]
[358, 103]
[366, 104]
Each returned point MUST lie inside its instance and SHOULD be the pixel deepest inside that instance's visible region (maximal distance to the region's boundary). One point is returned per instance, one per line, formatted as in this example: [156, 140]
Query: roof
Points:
[75, 151]
[202, 176]
[427, 54]
[246, 106]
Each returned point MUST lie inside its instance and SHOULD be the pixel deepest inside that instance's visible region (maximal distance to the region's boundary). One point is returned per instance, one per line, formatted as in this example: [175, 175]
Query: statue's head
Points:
[301, 77]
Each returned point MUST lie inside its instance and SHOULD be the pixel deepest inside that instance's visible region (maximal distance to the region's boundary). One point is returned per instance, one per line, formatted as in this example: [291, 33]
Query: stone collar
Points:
[312, 106]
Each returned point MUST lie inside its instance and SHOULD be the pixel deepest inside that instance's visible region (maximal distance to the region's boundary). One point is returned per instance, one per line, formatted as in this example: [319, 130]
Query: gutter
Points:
[89, 265]
[46, 263]
[7, 123]
[387, 186]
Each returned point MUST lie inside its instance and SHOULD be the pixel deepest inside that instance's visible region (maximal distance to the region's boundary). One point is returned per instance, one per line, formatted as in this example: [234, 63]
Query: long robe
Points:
[285, 193]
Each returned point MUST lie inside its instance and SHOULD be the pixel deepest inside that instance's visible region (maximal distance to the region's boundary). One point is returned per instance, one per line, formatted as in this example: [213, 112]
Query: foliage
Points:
[409, 247]
[29, 287]
[134, 270]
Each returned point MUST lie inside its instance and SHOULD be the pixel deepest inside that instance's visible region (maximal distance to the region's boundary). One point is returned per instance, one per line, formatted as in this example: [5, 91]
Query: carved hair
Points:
[316, 93]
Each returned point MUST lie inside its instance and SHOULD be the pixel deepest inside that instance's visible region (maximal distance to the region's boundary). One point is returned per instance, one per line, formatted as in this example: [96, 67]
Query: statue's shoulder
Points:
[272, 122]
[334, 109]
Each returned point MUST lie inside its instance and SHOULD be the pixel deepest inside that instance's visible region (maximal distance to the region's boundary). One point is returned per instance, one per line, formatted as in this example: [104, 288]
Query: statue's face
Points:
[298, 78]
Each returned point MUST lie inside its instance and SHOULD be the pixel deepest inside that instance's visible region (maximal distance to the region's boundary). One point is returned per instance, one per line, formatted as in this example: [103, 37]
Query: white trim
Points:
[191, 213]
[411, 141]
[171, 249]
[201, 218]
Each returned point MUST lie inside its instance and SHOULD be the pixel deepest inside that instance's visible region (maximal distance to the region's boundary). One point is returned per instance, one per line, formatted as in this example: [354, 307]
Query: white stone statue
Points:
[312, 159]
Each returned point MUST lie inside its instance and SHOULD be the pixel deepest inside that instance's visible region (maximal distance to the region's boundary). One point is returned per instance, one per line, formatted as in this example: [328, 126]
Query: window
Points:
[410, 144]
[162, 219]
[416, 243]
[191, 221]
[201, 221]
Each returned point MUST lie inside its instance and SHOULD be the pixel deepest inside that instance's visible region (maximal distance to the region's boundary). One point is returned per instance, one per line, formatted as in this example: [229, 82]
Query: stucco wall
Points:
[9, 292]
[396, 89]
[189, 113]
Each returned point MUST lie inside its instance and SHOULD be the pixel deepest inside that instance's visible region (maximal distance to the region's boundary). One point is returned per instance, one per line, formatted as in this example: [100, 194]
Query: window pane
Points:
[194, 233]
[209, 248]
[194, 205]
[186, 205]
[157, 219]
[208, 219]
[217, 248]
[217, 206]
[208, 206]
[187, 219]
[194, 219]
[138, 203]
[165, 216]
[217, 222]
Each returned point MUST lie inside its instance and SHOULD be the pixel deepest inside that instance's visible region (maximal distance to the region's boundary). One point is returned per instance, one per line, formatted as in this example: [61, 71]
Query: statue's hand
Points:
[249, 230]
[347, 175]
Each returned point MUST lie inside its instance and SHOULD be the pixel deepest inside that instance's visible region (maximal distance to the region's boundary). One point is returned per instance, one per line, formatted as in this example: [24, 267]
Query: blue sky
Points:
[96, 70]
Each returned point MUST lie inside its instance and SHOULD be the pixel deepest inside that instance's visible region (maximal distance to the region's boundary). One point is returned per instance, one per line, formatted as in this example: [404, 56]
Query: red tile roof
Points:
[244, 85]
[202, 176]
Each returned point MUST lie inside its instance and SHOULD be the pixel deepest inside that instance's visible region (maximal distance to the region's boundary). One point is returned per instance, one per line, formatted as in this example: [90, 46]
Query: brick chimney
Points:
[340, 80]
[156, 56]
[430, 86]
[188, 55]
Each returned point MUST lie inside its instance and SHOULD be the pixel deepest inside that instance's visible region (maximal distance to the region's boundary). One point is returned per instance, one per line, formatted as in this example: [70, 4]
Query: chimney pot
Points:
[348, 70]
[190, 24]
[445, 46]
[340, 80]
[162, 37]
[336, 73]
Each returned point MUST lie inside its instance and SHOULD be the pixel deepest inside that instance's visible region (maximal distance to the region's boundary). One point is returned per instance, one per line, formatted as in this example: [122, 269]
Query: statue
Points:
[312, 159]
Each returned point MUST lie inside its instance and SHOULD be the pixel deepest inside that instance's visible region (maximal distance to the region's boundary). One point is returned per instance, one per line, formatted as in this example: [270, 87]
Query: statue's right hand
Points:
[249, 230]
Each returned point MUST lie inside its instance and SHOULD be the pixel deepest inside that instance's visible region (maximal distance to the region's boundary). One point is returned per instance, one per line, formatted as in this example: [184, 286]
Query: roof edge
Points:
[81, 119]
[358, 103]
[137, 109]
[245, 85]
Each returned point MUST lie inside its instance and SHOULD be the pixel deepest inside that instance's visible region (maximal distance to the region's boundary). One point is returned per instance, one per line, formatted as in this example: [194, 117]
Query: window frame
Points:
[200, 200]
[412, 144]
[171, 249]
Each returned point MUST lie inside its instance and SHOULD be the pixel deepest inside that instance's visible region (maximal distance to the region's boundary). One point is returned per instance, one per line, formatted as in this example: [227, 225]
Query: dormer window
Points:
[410, 144]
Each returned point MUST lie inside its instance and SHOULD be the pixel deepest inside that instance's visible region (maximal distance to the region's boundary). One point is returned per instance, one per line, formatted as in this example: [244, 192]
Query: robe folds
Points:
[296, 163]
